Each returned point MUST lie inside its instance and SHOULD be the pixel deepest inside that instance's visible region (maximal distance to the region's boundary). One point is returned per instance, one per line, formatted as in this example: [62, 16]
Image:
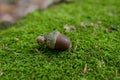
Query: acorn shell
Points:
[55, 40]
[62, 43]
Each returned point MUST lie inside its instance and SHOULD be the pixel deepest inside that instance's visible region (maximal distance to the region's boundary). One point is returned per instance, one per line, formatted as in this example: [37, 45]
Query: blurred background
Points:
[13, 10]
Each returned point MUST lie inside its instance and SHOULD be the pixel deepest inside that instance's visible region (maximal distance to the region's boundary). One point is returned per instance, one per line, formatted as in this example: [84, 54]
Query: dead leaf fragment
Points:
[90, 24]
[111, 28]
[68, 28]
[99, 22]
[1, 73]
[16, 39]
[83, 24]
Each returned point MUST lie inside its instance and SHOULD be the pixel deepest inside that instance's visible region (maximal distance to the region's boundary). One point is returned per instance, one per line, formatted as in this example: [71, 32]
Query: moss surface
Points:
[95, 54]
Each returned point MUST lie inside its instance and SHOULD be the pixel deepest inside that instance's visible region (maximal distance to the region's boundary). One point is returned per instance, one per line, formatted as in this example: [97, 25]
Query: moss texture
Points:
[95, 53]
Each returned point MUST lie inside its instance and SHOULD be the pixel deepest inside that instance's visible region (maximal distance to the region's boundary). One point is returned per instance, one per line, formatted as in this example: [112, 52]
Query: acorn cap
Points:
[51, 39]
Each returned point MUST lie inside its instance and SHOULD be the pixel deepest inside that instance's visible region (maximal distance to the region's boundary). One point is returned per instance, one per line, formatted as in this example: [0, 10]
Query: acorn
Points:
[55, 40]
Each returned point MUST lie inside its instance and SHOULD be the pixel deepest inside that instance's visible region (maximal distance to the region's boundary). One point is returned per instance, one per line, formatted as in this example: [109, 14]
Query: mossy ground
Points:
[21, 58]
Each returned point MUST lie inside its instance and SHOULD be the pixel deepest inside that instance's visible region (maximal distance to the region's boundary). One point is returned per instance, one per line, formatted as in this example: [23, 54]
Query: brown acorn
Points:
[55, 40]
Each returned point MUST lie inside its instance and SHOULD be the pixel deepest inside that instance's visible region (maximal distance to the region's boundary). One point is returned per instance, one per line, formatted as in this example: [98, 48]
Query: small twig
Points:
[116, 72]
[76, 46]
[37, 51]
[85, 69]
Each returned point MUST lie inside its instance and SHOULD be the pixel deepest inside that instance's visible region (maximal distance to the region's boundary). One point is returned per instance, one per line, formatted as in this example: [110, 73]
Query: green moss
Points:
[20, 58]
